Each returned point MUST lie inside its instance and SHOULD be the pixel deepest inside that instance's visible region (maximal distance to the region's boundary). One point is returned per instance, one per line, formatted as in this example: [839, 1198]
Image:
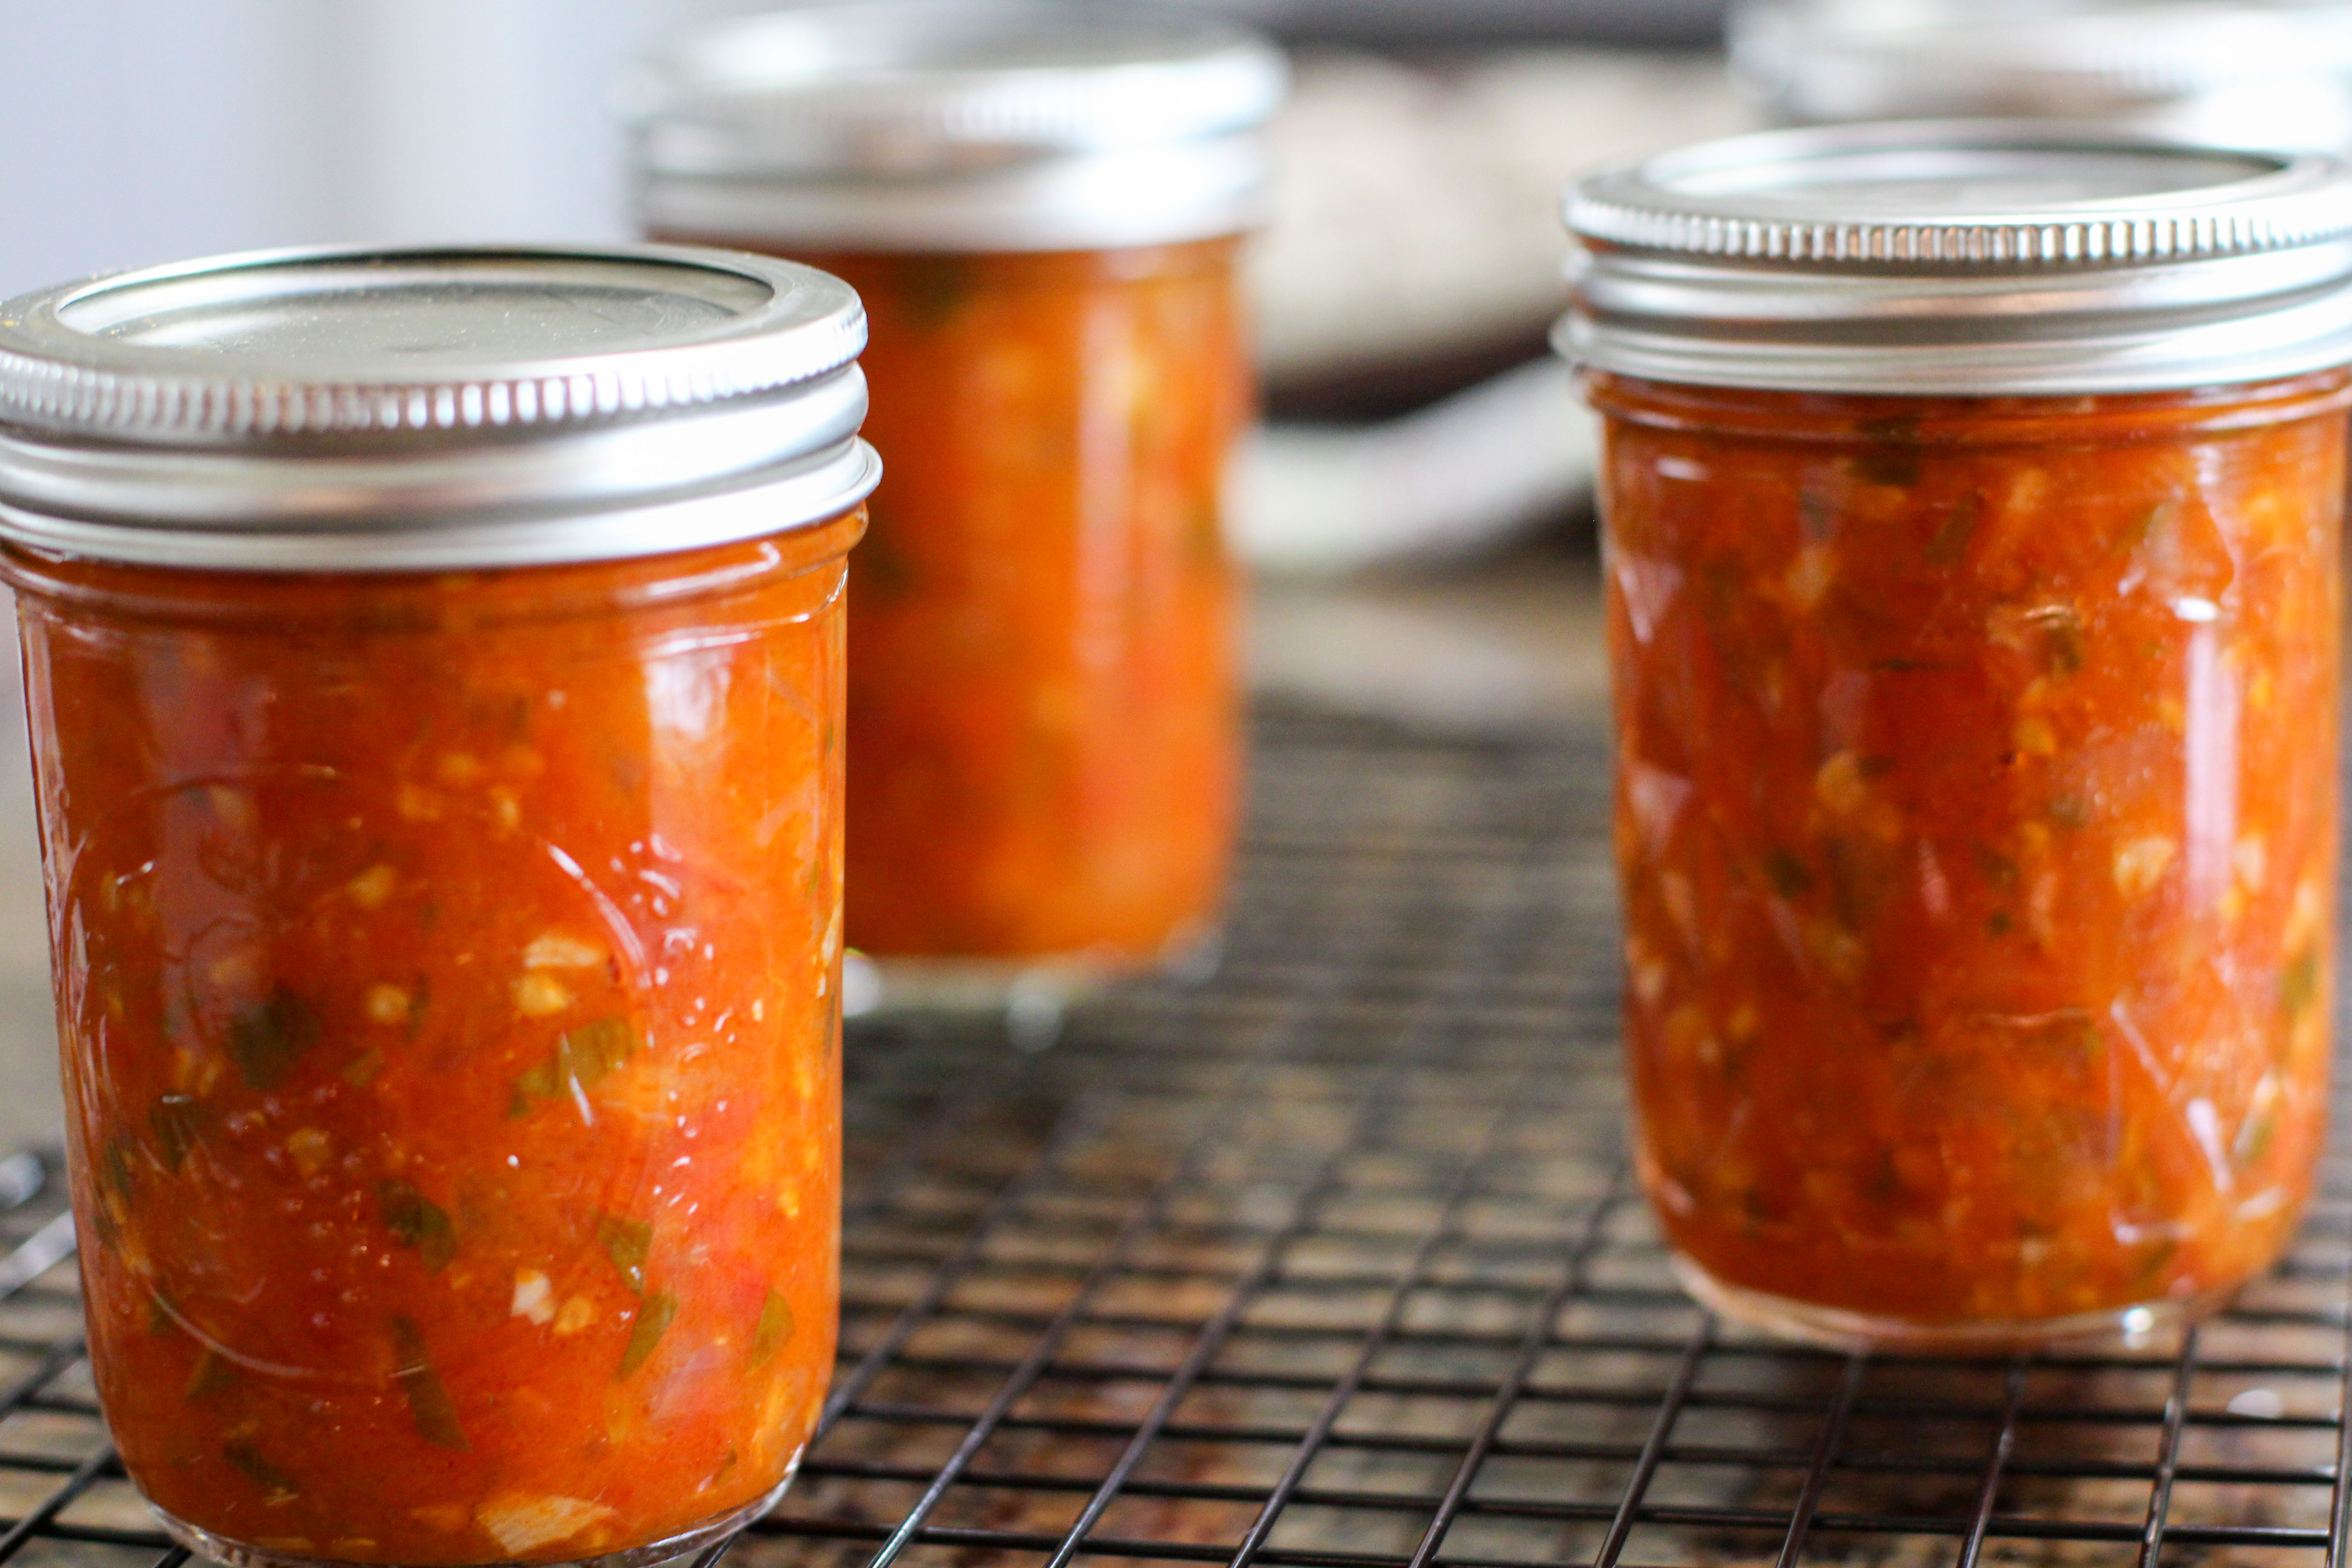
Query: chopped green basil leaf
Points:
[930, 289]
[1893, 462]
[774, 1328]
[247, 1461]
[267, 1038]
[1790, 878]
[119, 1173]
[416, 1221]
[877, 569]
[530, 1087]
[1952, 536]
[2300, 984]
[174, 1117]
[653, 1321]
[2063, 644]
[628, 1243]
[212, 1375]
[429, 1405]
[583, 1058]
[2254, 1141]
[588, 1053]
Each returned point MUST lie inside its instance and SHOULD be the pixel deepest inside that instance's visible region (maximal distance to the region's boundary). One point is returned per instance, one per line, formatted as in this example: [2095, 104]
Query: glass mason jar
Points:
[1039, 202]
[2272, 74]
[434, 670]
[1971, 500]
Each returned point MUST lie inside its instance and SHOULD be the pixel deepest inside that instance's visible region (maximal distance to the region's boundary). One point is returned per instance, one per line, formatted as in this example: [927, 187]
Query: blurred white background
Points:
[144, 130]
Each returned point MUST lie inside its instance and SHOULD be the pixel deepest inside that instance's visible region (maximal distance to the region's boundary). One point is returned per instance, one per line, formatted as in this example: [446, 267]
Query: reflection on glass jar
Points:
[448, 952]
[1045, 751]
[1976, 688]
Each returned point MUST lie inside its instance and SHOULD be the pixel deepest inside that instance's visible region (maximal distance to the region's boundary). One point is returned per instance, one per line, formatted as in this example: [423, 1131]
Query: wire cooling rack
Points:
[1332, 1260]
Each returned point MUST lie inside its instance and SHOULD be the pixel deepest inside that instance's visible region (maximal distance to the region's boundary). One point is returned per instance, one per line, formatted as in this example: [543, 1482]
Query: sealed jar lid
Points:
[1963, 258]
[957, 125]
[2253, 73]
[381, 410]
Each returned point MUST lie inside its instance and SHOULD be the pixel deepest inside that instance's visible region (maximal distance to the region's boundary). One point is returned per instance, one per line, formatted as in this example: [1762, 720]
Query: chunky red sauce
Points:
[447, 968]
[1042, 704]
[1977, 816]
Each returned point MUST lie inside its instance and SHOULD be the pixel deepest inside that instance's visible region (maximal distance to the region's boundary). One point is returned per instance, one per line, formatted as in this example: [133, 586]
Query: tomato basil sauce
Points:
[1977, 815]
[1045, 751]
[449, 968]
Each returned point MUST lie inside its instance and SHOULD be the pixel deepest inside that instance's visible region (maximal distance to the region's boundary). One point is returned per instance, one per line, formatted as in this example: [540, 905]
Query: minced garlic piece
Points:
[1646, 973]
[309, 1149]
[1810, 575]
[373, 887]
[387, 1004]
[2251, 858]
[2142, 863]
[555, 949]
[232, 806]
[236, 971]
[539, 994]
[522, 1523]
[1835, 948]
[534, 1297]
[1839, 785]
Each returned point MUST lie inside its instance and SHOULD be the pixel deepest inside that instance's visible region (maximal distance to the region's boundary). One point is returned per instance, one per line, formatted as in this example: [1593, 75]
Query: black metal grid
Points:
[1332, 1260]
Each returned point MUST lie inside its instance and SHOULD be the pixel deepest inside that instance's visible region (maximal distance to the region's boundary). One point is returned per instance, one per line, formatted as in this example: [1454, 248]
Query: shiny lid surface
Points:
[350, 409]
[957, 124]
[1963, 257]
[2261, 73]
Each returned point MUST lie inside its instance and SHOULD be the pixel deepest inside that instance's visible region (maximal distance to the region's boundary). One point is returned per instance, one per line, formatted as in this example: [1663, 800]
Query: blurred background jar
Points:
[1972, 498]
[2236, 73]
[1042, 205]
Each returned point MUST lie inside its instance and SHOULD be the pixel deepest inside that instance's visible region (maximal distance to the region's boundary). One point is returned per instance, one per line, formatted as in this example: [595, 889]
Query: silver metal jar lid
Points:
[1963, 258]
[2252, 73]
[957, 125]
[393, 410]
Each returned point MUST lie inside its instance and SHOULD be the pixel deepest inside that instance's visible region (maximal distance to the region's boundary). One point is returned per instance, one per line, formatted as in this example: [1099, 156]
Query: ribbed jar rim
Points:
[1960, 257]
[353, 408]
[957, 124]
